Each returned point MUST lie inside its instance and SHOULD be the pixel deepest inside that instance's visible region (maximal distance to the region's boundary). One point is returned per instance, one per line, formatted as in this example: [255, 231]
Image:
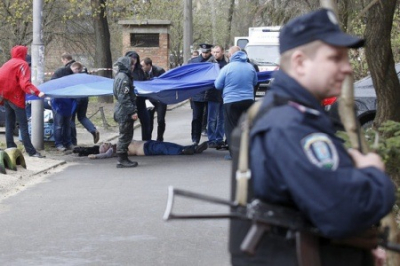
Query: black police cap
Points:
[205, 47]
[318, 25]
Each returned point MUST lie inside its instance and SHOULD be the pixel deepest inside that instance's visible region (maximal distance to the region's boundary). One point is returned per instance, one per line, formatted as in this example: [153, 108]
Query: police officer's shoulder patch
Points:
[321, 151]
[126, 87]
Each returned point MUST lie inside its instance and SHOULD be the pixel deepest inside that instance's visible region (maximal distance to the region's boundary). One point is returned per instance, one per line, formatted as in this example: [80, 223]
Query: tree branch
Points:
[362, 13]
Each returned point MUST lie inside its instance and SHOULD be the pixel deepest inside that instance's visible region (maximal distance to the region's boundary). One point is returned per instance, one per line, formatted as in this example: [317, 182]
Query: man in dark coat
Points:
[198, 101]
[150, 72]
[144, 117]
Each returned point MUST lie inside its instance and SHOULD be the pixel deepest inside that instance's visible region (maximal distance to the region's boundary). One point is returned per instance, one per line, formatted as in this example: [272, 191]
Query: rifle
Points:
[265, 216]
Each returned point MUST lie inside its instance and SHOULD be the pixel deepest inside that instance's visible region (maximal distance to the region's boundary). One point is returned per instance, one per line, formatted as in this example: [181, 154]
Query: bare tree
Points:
[229, 22]
[380, 60]
[102, 58]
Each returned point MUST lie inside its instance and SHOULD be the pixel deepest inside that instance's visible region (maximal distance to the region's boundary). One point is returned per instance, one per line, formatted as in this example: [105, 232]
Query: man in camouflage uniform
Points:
[125, 112]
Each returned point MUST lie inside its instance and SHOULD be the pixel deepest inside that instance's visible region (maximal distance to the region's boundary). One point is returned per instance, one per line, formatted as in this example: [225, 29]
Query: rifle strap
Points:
[243, 173]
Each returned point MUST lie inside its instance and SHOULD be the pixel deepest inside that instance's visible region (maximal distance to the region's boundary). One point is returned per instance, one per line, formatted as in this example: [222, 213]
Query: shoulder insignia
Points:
[304, 109]
[321, 151]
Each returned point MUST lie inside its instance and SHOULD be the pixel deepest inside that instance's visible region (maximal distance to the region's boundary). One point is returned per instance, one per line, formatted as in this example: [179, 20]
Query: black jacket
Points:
[214, 95]
[156, 71]
[62, 72]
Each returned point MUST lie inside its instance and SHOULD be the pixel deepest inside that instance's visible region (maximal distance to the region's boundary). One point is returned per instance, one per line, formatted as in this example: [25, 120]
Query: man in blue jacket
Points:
[237, 80]
[297, 160]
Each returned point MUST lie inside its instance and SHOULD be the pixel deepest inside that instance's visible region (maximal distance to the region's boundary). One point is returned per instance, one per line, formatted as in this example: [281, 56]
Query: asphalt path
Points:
[92, 213]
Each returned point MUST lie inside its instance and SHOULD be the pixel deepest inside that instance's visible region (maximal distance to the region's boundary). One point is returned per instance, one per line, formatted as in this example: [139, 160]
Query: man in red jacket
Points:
[15, 82]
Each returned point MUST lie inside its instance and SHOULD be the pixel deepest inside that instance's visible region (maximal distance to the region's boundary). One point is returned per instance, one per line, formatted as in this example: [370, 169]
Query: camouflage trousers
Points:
[125, 136]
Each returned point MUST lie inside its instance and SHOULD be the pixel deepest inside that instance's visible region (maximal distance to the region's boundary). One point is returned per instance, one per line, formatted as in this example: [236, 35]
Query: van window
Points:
[264, 54]
[242, 43]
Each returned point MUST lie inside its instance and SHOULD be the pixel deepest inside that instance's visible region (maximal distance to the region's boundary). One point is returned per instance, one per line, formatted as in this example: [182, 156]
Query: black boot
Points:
[189, 150]
[124, 162]
[201, 147]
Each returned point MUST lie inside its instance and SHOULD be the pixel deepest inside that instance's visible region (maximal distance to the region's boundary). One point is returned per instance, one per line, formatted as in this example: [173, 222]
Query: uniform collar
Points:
[286, 86]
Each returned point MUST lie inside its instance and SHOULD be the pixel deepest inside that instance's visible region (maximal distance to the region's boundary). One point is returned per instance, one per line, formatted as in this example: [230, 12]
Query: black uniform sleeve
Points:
[313, 171]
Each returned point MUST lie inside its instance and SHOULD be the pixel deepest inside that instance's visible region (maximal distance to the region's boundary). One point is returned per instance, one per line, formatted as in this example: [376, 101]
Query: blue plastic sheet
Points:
[173, 86]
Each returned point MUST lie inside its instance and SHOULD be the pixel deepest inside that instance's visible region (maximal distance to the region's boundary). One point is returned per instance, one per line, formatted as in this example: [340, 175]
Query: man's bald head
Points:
[234, 49]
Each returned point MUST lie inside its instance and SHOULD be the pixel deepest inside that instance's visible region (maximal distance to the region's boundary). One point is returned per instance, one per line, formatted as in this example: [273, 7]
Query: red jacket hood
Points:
[19, 52]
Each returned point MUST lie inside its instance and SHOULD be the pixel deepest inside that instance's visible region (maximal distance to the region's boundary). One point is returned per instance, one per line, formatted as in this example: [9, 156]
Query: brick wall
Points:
[159, 55]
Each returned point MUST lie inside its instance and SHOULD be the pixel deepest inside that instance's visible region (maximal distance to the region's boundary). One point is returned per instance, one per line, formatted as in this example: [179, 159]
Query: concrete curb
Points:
[49, 168]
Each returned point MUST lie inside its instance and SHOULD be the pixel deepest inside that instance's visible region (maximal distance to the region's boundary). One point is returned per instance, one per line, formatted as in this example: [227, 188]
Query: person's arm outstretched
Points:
[107, 154]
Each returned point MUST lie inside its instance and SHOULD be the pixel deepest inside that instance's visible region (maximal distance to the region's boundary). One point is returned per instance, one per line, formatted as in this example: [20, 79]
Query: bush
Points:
[386, 142]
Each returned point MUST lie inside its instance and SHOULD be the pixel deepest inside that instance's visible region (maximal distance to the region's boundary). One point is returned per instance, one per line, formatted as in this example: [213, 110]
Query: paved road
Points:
[95, 214]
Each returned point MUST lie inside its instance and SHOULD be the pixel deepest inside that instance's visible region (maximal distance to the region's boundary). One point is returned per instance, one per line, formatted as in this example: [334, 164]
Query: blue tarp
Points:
[173, 86]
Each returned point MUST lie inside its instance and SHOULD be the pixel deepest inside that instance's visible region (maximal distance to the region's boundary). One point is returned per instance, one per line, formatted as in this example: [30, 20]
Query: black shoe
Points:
[222, 147]
[124, 162]
[96, 136]
[212, 145]
[202, 147]
[127, 164]
[189, 150]
[37, 155]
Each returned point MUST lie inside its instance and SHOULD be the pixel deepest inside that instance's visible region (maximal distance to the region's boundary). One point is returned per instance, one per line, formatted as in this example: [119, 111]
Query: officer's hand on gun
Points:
[365, 160]
[379, 256]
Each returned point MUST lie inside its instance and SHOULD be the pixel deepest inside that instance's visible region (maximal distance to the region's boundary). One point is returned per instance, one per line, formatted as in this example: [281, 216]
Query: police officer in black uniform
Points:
[125, 109]
[297, 160]
[198, 101]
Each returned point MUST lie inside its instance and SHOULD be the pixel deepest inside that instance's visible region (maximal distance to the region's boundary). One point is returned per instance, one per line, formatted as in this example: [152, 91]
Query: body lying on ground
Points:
[140, 148]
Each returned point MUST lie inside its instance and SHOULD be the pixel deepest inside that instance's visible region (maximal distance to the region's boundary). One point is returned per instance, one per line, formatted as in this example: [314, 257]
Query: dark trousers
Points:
[152, 147]
[232, 113]
[161, 109]
[80, 112]
[13, 114]
[198, 111]
[215, 125]
[144, 117]
[204, 123]
[62, 130]
[125, 136]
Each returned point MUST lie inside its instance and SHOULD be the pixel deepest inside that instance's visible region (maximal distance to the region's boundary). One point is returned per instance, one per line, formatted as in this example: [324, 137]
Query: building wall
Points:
[159, 55]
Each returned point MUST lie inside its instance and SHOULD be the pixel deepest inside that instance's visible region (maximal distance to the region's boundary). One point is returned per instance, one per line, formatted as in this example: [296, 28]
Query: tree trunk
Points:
[380, 61]
[230, 16]
[102, 58]
[213, 22]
